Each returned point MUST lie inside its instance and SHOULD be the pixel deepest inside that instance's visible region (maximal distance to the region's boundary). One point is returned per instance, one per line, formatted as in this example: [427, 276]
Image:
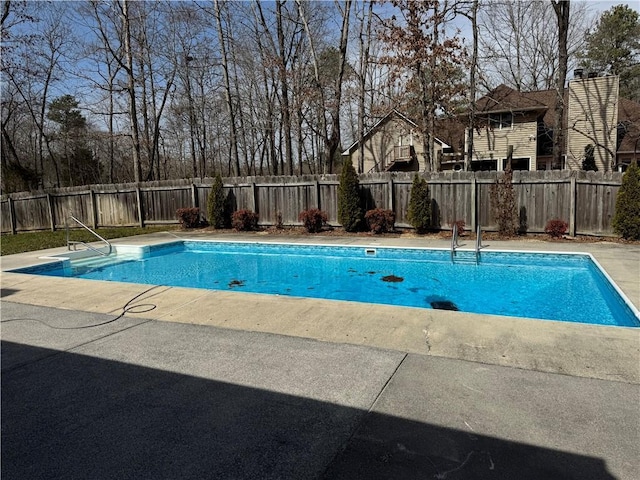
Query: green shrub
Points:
[380, 220]
[626, 221]
[188, 217]
[503, 203]
[313, 219]
[216, 211]
[350, 213]
[419, 213]
[556, 227]
[244, 220]
[589, 162]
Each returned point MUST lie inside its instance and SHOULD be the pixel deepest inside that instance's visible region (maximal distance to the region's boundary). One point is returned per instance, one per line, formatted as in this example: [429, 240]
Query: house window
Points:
[501, 120]
[484, 165]
[517, 164]
[623, 164]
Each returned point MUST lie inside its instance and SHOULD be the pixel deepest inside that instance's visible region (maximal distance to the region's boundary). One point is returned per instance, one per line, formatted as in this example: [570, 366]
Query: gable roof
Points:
[504, 98]
[393, 113]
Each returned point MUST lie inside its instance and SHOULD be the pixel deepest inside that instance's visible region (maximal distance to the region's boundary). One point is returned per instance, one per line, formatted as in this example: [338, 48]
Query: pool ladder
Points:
[455, 244]
[75, 243]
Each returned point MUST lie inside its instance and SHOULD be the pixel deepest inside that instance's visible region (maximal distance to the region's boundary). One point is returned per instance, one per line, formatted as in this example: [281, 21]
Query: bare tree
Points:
[365, 43]
[518, 43]
[128, 66]
[469, 9]
[561, 8]
[227, 86]
[419, 45]
[32, 65]
[329, 131]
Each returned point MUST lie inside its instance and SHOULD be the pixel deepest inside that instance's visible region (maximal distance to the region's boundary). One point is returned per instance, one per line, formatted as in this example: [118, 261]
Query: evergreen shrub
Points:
[419, 212]
[216, 204]
[350, 214]
[626, 221]
[589, 162]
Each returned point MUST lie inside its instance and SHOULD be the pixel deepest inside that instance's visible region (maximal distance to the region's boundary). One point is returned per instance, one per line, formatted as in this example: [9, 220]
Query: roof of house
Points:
[504, 98]
[393, 113]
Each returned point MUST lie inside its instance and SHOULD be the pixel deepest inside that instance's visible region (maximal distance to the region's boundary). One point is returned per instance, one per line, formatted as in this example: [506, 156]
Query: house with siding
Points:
[517, 127]
[393, 144]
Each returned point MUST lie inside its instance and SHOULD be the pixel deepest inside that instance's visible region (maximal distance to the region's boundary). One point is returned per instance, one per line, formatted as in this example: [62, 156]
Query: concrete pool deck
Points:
[233, 385]
[610, 353]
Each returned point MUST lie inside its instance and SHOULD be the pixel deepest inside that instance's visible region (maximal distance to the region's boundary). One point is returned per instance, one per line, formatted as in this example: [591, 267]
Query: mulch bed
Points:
[488, 236]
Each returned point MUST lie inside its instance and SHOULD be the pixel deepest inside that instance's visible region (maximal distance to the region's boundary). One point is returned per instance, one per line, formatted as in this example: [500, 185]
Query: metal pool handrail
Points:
[454, 241]
[478, 243]
[455, 244]
[76, 242]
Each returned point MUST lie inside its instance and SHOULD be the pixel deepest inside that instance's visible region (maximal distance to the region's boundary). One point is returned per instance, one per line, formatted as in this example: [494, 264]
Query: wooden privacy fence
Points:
[585, 200]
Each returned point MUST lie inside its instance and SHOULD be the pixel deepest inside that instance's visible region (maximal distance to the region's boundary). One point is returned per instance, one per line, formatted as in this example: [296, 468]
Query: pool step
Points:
[97, 262]
[465, 257]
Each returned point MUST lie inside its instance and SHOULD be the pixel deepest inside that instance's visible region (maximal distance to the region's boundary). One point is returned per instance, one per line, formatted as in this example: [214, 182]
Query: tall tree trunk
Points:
[111, 122]
[227, 89]
[133, 112]
[334, 138]
[192, 120]
[284, 89]
[473, 16]
[365, 42]
[270, 133]
[330, 130]
[561, 7]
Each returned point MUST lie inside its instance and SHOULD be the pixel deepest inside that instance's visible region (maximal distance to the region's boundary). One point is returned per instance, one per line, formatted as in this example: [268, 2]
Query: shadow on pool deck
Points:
[78, 416]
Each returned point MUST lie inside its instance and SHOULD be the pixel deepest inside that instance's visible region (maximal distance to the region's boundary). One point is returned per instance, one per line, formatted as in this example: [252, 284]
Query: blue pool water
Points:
[565, 287]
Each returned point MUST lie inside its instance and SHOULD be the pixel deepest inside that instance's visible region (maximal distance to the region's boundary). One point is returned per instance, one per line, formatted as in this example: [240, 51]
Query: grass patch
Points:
[31, 241]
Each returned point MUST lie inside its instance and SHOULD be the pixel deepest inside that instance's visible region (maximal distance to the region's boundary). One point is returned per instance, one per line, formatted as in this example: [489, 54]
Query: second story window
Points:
[501, 120]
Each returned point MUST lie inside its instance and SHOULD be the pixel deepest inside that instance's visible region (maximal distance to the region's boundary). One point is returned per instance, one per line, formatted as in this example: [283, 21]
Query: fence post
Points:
[317, 189]
[94, 210]
[51, 215]
[12, 216]
[390, 195]
[572, 205]
[140, 212]
[474, 203]
[194, 195]
[254, 201]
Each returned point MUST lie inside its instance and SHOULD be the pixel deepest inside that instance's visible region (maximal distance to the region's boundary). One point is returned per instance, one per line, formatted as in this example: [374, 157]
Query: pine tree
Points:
[419, 213]
[350, 213]
[613, 47]
[626, 221]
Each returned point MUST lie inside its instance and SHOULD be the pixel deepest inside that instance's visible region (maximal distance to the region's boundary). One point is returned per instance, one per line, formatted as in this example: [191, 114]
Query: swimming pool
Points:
[564, 287]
